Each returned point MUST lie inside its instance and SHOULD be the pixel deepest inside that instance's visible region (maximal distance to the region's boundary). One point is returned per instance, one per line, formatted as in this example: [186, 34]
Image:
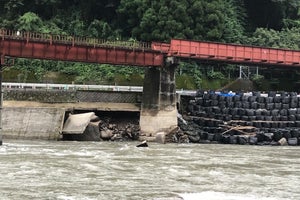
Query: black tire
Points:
[270, 106]
[250, 112]
[269, 100]
[214, 103]
[292, 118]
[295, 133]
[287, 134]
[236, 98]
[243, 140]
[283, 112]
[283, 118]
[277, 136]
[260, 137]
[285, 100]
[233, 139]
[260, 99]
[277, 99]
[268, 137]
[241, 111]
[244, 118]
[277, 106]
[238, 104]
[274, 112]
[246, 105]
[285, 106]
[251, 118]
[252, 140]
[261, 106]
[252, 99]
[292, 111]
[254, 105]
[230, 104]
[218, 137]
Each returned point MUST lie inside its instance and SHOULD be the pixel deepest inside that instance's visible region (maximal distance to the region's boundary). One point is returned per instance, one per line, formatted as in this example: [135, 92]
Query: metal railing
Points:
[50, 86]
[71, 40]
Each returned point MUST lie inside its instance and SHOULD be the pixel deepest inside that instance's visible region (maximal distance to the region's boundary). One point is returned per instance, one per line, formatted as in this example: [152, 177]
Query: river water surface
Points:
[105, 170]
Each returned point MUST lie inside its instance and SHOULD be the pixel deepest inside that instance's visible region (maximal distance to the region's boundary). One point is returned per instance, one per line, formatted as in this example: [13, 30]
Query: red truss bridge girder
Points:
[232, 53]
[44, 46]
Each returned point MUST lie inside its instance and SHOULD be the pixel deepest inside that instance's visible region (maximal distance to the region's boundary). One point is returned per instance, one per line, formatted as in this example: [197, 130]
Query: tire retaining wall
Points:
[268, 118]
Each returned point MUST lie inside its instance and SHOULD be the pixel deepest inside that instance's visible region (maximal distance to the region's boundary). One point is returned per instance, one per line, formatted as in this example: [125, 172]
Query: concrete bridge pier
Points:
[1, 96]
[159, 112]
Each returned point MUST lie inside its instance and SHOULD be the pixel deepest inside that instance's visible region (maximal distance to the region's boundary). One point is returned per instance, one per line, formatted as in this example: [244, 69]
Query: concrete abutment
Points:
[158, 109]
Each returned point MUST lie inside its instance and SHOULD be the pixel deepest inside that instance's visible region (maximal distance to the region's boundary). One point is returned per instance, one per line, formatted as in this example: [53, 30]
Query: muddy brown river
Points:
[107, 170]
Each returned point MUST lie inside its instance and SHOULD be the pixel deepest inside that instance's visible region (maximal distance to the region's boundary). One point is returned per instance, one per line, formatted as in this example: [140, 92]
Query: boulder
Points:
[143, 144]
[160, 137]
[282, 142]
[106, 134]
[293, 141]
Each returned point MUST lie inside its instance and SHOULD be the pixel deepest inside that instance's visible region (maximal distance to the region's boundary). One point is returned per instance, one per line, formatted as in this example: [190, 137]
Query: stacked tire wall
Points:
[268, 118]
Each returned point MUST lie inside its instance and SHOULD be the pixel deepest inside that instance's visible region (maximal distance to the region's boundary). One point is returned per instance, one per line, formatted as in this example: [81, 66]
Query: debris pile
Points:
[89, 127]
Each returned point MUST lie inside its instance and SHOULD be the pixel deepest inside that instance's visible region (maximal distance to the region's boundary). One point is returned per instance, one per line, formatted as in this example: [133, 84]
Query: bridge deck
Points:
[77, 49]
[233, 53]
[83, 49]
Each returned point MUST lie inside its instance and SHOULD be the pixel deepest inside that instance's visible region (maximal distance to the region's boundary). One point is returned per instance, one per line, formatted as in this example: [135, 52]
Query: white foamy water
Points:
[105, 170]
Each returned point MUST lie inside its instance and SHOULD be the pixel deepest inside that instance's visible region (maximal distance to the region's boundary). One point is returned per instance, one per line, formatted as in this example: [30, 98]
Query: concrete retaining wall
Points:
[32, 123]
[43, 122]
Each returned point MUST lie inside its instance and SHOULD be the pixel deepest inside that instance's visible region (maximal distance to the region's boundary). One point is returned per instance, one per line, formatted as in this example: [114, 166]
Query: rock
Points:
[233, 139]
[242, 140]
[194, 138]
[183, 139]
[106, 134]
[282, 142]
[293, 141]
[116, 137]
[91, 133]
[161, 137]
[210, 136]
[143, 144]
[253, 140]
[268, 137]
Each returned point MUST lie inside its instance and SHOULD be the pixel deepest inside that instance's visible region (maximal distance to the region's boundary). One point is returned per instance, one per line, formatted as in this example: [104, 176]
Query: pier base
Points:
[159, 112]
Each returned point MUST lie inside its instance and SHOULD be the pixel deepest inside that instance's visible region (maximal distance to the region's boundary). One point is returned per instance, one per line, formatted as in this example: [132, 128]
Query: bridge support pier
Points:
[159, 112]
[1, 97]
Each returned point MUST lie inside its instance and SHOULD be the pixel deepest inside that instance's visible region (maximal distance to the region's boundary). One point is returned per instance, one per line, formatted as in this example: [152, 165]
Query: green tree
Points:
[30, 22]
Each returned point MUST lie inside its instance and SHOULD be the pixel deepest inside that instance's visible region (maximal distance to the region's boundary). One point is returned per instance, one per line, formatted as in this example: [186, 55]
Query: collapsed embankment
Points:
[243, 118]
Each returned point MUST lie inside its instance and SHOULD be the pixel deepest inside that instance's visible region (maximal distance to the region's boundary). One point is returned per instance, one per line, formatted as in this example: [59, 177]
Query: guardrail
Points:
[50, 86]
[72, 40]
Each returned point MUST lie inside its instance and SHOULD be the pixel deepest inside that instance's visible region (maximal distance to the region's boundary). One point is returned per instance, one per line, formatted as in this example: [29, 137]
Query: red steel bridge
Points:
[91, 50]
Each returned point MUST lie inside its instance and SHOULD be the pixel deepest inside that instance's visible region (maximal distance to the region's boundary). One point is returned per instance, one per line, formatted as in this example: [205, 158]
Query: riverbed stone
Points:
[282, 142]
[160, 137]
[106, 134]
[293, 141]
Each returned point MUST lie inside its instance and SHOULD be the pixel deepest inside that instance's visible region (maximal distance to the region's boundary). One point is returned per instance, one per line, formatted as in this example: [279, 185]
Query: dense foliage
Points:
[274, 23]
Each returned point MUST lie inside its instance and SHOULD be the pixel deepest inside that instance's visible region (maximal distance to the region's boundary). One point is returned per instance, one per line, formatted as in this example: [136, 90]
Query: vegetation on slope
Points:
[273, 23]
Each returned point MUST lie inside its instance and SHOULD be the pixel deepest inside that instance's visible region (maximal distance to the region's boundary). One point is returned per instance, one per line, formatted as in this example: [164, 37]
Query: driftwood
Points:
[239, 129]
